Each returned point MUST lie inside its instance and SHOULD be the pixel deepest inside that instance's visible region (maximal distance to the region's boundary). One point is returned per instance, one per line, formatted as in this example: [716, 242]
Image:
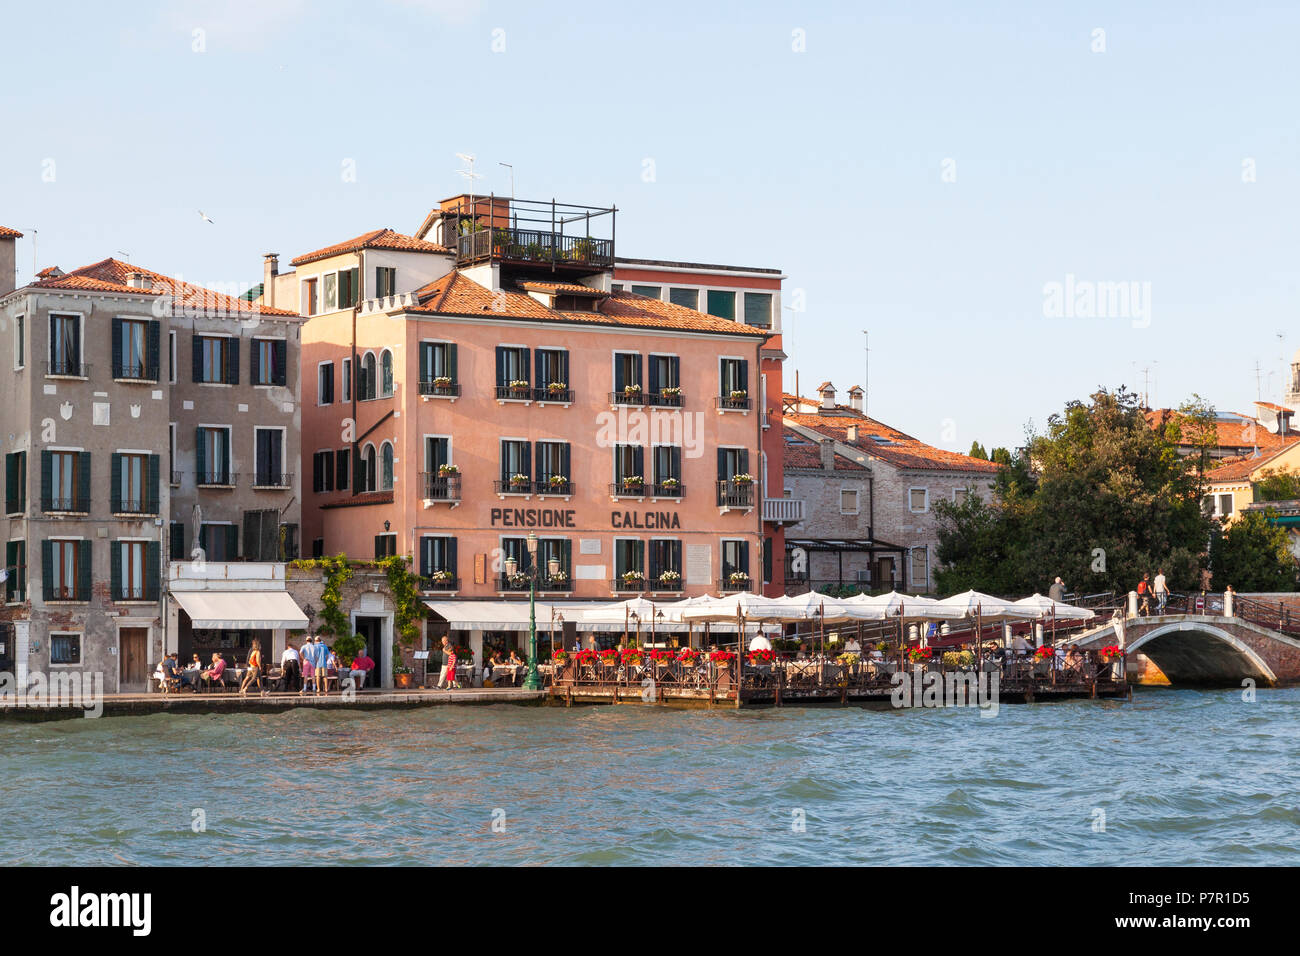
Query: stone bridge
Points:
[1203, 649]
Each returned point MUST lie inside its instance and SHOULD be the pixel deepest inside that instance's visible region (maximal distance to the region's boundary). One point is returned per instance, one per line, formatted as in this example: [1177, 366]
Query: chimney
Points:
[827, 392]
[270, 269]
[8, 259]
[851, 433]
[138, 280]
[828, 454]
[855, 398]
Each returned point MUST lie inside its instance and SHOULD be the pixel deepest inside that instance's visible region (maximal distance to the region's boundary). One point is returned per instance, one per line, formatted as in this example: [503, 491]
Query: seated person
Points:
[362, 665]
[190, 676]
[213, 674]
[515, 660]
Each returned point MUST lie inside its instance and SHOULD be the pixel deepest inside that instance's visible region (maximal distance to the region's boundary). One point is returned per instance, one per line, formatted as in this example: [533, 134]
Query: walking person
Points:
[1144, 596]
[1057, 591]
[308, 668]
[254, 672]
[448, 677]
[1162, 591]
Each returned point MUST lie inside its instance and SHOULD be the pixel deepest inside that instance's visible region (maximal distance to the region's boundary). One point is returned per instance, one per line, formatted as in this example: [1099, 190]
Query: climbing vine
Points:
[337, 569]
[408, 609]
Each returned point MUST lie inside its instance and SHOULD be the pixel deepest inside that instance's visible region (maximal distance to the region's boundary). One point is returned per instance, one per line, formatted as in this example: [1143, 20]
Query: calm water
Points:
[1184, 777]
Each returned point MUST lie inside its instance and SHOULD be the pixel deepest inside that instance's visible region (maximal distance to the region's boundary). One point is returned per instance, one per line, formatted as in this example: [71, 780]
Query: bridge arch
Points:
[1197, 652]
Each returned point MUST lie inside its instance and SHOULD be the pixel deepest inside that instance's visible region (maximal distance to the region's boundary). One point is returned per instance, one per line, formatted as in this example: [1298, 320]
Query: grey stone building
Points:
[889, 539]
[144, 420]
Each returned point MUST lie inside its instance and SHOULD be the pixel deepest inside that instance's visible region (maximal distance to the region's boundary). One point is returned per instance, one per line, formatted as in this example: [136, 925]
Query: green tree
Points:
[1099, 499]
[1253, 554]
[1197, 425]
[977, 451]
[1275, 485]
[1000, 456]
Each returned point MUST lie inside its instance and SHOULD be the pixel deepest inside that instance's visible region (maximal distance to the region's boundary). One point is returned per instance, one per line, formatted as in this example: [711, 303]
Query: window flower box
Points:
[444, 470]
[742, 479]
[633, 483]
[518, 481]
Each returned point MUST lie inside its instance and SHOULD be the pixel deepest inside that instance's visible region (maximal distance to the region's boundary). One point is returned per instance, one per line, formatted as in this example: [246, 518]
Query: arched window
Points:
[368, 468]
[386, 374]
[366, 388]
[386, 467]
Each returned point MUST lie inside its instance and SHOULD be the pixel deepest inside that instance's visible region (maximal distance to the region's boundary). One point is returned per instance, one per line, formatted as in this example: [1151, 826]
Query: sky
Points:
[1018, 202]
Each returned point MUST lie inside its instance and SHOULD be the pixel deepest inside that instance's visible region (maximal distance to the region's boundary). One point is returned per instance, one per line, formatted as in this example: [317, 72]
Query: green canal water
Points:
[1182, 777]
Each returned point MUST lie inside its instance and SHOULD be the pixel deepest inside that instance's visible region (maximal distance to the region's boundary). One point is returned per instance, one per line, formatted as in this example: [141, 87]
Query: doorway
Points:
[133, 650]
[371, 628]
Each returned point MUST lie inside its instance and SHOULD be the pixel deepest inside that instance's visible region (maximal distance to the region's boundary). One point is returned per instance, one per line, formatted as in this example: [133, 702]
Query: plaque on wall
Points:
[699, 564]
[589, 546]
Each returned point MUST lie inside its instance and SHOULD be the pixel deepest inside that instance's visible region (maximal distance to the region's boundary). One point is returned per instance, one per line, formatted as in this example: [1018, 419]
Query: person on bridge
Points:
[1162, 591]
[1144, 596]
[1057, 591]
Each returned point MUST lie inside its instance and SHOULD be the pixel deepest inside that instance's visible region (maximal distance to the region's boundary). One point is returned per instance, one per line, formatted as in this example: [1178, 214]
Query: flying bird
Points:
[204, 217]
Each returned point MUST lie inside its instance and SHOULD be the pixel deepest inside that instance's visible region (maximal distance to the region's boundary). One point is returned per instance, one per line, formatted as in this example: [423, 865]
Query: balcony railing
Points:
[521, 579]
[512, 487]
[137, 505]
[727, 403]
[134, 372]
[440, 486]
[626, 489]
[272, 479]
[437, 583]
[550, 486]
[624, 397]
[561, 396]
[660, 400]
[217, 478]
[727, 584]
[661, 490]
[68, 368]
[73, 503]
[135, 592]
[441, 390]
[621, 583]
[735, 494]
[536, 246]
[515, 393]
[783, 510]
[54, 591]
[658, 583]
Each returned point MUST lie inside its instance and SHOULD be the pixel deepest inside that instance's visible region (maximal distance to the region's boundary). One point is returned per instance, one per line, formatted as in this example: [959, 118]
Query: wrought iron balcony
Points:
[561, 396]
[135, 372]
[735, 494]
[272, 480]
[730, 403]
[660, 400]
[67, 368]
[514, 393]
[434, 389]
[510, 486]
[658, 583]
[438, 582]
[440, 486]
[728, 584]
[73, 503]
[626, 488]
[217, 478]
[622, 583]
[662, 490]
[133, 504]
[628, 397]
[552, 486]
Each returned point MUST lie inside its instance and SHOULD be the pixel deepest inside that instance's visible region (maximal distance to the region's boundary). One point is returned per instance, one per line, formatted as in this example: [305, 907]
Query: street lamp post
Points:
[533, 679]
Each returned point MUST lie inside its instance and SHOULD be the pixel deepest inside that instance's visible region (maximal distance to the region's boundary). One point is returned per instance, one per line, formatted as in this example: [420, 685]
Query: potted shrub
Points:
[737, 394]
[669, 578]
[633, 482]
[557, 387]
[738, 578]
[583, 250]
[670, 483]
[519, 386]
[632, 391]
[557, 481]
[518, 480]
[744, 478]
[445, 469]
[442, 576]
[631, 578]
[671, 391]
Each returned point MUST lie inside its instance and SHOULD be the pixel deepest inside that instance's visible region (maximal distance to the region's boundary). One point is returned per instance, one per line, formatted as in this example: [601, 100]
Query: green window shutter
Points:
[115, 569]
[451, 362]
[279, 363]
[197, 355]
[115, 490]
[722, 304]
[177, 544]
[47, 570]
[83, 482]
[200, 453]
[47, 479]
[232, 542]
[117, 347]
[152, 570]
[152, 500]
[379, 546]
[83, 569]
[232, 361]
[11, 483]
[152, 350]
[254, 362]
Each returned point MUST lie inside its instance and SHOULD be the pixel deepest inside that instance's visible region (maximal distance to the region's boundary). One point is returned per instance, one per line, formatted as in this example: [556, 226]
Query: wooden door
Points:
[133, 651]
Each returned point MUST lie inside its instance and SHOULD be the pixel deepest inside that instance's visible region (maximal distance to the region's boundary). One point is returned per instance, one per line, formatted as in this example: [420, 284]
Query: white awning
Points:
[513, 616]
[242, 610]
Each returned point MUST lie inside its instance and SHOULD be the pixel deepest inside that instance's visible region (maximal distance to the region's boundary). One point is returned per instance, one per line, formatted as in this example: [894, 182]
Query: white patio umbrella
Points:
[1053, 611]
[985, 608]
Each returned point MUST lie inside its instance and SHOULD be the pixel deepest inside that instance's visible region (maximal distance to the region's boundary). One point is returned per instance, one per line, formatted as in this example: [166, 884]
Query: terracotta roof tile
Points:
[898, 448]
[7, 233]
[570, 288]
[801, 452]
[1243, 466]
[375, 239]
[1244, 432]
[113, 275]
[455, 294]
